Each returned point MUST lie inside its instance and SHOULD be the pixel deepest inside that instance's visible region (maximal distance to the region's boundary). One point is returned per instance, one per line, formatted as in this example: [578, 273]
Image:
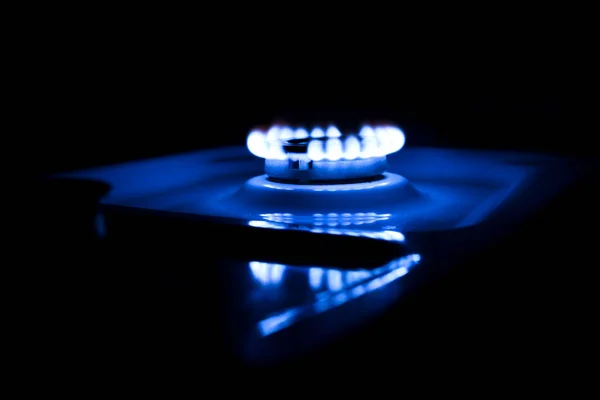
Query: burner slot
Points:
[300, 165]
[303, 170]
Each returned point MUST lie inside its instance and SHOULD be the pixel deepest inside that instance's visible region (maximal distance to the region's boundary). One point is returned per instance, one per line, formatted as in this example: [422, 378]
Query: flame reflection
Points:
[331, 288]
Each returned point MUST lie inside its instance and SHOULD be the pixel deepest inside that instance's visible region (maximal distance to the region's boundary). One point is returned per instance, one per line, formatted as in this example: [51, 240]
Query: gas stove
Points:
[321, 230]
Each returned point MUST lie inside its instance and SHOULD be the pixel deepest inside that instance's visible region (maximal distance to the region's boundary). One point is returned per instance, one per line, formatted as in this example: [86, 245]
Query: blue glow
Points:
[262, 181]
[279, 321]
[456, 188]
[264, 224]
[267, 274]
[315, 277]
[100, 225]
[388, 235]
[334, 280]
[316, 224]
[332, 288]
[330, 219]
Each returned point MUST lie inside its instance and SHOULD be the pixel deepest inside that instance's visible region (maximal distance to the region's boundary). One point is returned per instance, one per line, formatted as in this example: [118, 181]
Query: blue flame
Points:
[330, 144]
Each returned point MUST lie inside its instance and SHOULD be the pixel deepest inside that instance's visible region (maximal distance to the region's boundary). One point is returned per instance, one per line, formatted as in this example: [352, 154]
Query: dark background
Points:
[125, 119]
[94, 94]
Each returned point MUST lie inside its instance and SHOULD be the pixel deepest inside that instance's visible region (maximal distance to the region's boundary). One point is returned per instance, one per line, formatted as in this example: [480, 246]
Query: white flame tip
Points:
[315, 150]
[333, 132]
[317, 133]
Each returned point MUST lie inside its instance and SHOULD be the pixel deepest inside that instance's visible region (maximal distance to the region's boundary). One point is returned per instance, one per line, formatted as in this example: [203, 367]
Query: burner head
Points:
[325, 156]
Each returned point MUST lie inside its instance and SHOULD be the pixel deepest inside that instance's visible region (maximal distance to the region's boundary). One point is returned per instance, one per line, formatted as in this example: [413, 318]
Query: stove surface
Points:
[434, 208]
[425, 189]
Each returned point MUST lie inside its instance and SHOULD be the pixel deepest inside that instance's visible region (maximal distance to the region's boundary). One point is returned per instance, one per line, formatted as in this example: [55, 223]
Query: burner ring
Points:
[308, 171]
[329, 156]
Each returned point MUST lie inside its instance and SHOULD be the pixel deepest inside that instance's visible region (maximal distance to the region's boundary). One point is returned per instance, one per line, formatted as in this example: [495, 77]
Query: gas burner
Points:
[341, 177]
[322, 157]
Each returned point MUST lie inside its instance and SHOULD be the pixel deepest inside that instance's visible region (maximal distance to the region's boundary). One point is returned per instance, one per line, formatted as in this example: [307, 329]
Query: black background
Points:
[124, 119]
[92, 91]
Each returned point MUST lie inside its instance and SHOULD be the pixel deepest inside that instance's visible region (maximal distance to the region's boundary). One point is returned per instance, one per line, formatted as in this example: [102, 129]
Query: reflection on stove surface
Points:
[333, 224]
[331, 219]
[325, 289]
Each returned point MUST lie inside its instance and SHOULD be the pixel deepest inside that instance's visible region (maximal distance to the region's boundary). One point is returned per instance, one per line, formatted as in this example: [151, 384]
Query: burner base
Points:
[260, 193]
[307, 171]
